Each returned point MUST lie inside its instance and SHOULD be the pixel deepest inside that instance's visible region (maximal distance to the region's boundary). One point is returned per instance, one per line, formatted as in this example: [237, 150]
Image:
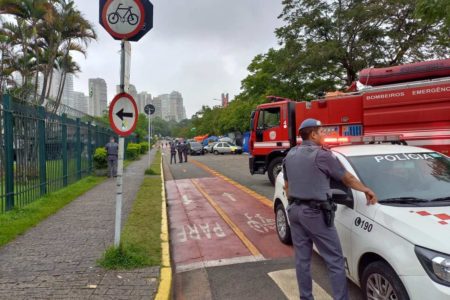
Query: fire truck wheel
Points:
[274, 168]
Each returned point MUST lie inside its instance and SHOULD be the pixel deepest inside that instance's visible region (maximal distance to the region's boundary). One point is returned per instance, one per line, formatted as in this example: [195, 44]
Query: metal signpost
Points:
[149, 110]
[125, 20]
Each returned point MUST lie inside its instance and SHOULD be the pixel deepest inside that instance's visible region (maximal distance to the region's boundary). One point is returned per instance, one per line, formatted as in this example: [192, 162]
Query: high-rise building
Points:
[170, 106]
[142, 99]
[67, 93]
[98, 96]
[225, 100]
[157, 103]
[80, 102]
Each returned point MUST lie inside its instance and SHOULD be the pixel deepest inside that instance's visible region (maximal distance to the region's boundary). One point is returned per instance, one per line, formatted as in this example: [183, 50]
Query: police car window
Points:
[425, 176]
[269, 118]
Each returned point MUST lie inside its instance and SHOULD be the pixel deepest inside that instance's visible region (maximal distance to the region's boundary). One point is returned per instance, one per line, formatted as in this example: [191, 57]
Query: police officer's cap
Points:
[310, 123]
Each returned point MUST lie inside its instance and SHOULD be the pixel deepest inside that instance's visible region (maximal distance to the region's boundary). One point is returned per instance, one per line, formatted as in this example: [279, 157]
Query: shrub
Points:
[133, 151]
[100, 158]
[144, 147]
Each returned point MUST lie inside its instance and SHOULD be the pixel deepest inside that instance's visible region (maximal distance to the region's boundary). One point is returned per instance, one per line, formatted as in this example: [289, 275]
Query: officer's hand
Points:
[371, 197]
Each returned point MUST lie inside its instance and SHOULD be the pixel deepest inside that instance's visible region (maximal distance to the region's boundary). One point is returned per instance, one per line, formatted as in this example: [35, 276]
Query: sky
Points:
[200, 48]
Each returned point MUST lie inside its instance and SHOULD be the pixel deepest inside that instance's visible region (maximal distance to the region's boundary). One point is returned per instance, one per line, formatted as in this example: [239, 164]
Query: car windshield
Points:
[405, 177]
[231, 144]
[195, 144]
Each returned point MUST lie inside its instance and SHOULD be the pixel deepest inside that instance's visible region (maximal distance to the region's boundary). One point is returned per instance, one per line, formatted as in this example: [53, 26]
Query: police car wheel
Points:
[283, 229]
[216, 152]
[379, 281]
[274, 168]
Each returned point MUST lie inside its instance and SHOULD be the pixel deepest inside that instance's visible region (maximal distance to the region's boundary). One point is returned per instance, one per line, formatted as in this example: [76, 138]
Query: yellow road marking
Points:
[264, 200]
[252, 248]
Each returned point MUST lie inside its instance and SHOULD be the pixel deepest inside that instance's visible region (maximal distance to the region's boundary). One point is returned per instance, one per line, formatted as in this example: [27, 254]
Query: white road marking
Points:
[219, 262]
[287, 281]
[186, 200]
[229, 196]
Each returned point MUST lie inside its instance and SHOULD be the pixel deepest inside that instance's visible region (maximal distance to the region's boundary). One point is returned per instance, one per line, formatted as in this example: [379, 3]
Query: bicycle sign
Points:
[123, 19]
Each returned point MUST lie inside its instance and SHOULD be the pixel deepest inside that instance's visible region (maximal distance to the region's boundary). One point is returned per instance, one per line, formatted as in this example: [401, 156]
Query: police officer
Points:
[307, 172]
[180, 152]
[112, 150]
[173, 153]
[185, 151]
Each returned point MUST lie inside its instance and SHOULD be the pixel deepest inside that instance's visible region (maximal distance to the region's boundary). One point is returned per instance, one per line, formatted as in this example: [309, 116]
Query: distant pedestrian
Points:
[112, 150]
[185, 151]
[173, 153]
[180, 152]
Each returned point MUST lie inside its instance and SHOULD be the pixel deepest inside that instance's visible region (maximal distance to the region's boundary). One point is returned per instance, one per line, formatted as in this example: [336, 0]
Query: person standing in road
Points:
[180, 152]
[185, 151]
[173, 153]
[112, 150]
[307, 170]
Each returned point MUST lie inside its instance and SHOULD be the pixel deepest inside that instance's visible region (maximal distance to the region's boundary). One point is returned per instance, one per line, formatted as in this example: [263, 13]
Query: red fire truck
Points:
[414, 113]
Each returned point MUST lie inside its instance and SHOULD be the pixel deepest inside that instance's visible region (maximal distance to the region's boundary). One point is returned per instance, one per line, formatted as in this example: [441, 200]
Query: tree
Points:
[334, 39]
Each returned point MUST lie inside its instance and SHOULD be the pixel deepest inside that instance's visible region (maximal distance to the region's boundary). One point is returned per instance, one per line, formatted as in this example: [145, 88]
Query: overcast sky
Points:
[200, 48]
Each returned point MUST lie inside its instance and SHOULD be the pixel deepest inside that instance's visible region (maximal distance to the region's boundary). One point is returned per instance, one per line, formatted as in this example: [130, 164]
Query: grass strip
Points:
[15, 222]
[155, 166]
[140, 244]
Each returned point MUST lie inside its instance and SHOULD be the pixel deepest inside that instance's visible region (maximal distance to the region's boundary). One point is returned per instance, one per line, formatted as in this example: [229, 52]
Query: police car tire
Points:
[273, 163]
[287, 238]
[385, 270]
[216, 152]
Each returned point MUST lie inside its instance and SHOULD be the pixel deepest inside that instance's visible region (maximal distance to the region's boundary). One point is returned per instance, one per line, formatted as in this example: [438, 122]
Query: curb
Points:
[165, 281]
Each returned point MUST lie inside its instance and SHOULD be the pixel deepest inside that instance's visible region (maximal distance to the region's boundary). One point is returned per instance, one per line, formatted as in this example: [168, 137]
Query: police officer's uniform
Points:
[173, 152]
[112, 149]
[308, 169]
[180, 152]
[185, 151]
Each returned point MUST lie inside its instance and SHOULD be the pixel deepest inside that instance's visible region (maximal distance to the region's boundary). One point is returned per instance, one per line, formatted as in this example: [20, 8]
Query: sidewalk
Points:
[57, 258]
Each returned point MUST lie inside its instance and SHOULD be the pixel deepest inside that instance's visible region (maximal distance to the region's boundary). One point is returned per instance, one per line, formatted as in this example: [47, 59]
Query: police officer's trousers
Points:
[308, 227]
[112, 167]
[180, 156]
[173, 157]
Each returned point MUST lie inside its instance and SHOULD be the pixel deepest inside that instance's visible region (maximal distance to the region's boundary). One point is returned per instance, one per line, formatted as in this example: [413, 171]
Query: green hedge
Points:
[133, 151]
[100, 158]
[144, 147]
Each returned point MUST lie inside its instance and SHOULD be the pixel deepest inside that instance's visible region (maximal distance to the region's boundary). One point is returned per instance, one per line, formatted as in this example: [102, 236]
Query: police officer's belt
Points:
[317, 204]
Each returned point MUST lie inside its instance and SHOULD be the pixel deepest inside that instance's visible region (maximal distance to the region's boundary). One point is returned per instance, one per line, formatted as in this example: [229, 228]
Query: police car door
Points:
[345, 214]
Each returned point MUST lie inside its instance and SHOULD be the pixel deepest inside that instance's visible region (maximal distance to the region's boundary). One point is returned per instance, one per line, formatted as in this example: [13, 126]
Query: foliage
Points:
[141, 237]
[332, 40]
[39, 38]
[100, 158]
[133, 151]
[144, 147]
[15, 222]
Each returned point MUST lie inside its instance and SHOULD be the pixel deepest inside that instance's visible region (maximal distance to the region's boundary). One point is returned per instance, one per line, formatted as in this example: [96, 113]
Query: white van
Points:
[400, 247]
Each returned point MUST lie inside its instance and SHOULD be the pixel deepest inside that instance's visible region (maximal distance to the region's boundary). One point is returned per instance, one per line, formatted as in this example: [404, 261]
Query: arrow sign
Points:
[122, 114]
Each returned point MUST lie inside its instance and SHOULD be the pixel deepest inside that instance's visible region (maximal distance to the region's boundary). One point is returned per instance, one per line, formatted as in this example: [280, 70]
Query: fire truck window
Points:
[269, 118]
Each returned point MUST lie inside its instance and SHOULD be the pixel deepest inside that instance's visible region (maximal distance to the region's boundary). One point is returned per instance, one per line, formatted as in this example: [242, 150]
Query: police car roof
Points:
[377, 149]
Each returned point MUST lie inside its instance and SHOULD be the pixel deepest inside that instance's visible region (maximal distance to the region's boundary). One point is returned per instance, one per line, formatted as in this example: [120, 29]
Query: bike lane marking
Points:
[254, 219]
[264, 200]
[200, 237]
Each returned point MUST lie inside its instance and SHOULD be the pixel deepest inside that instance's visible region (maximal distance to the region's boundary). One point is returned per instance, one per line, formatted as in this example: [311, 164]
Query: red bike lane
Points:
[213, 222]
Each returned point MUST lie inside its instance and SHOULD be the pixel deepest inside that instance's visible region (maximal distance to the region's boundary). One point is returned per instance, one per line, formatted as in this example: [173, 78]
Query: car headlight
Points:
[436, 264]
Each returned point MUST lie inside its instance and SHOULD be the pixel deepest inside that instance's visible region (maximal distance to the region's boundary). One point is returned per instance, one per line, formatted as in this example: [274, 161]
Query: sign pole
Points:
[119, 181]
[149, 145]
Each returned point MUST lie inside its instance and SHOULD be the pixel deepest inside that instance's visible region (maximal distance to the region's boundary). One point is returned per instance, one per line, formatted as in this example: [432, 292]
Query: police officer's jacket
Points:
[308, 169]
[112, 149]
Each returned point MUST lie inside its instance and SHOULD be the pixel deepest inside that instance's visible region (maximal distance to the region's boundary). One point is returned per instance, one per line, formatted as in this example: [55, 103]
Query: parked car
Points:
[225, 147]
[195, 148]
[209, 147]
[398, 248]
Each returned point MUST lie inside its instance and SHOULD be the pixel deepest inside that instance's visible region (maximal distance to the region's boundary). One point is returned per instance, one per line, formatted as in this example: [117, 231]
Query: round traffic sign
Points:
[123, 18]
[149, 109]
[123, 114]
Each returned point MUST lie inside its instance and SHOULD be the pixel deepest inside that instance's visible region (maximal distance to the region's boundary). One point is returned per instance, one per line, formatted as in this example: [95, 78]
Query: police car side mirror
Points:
[341, 197]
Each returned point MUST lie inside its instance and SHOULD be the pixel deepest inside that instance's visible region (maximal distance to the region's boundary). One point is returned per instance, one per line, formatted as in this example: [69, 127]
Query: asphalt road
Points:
[244, 280]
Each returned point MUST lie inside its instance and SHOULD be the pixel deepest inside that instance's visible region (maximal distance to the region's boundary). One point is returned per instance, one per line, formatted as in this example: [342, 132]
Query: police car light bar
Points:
[362, 139]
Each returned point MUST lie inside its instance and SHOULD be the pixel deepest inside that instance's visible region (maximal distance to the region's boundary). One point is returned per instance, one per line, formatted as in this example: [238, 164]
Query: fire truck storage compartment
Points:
[419, 108]
[331, 111]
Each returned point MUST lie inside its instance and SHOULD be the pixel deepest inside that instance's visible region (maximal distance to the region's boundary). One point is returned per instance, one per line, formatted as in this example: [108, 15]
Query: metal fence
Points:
[42, 151]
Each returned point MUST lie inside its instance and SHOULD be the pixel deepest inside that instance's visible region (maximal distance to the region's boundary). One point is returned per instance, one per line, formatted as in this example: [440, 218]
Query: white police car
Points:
[400, 247]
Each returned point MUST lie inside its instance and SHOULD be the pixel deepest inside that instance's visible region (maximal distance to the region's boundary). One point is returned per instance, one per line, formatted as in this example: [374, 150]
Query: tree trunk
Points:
[50, 84]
